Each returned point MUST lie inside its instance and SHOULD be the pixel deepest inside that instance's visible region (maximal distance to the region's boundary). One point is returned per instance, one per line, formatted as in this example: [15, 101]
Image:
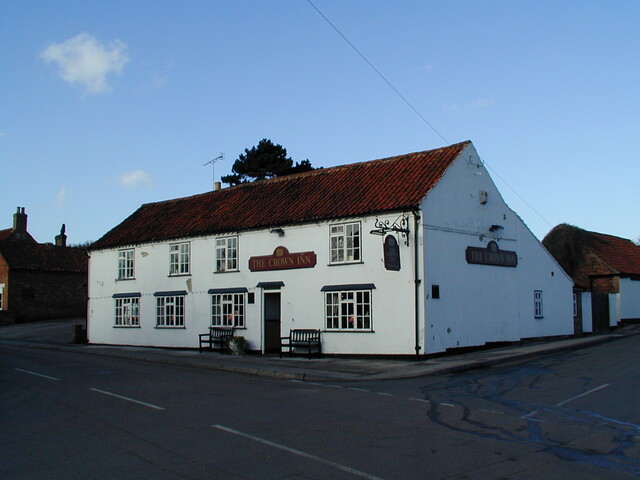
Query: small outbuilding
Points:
[606, 273]
[413, 254]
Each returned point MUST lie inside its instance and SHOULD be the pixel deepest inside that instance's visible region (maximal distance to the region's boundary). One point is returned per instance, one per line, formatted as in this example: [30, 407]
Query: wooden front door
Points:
[272, 322]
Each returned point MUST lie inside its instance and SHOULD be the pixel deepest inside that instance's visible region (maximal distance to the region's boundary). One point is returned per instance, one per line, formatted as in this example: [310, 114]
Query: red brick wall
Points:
[4, 278]
[45, 295]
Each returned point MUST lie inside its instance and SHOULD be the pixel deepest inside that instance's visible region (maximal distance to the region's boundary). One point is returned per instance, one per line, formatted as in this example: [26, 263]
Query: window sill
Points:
[126, 326]
[225, 271]
[337, 264]
[348, 331]
[179, 275]
[125, 279]
[169, 327]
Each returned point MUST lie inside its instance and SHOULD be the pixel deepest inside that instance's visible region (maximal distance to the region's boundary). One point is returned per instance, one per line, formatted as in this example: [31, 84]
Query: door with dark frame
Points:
[272, 322]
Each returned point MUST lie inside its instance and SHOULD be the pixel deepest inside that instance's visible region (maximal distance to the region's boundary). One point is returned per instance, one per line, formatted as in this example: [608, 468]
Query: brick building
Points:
[40, 281]
[606, 273]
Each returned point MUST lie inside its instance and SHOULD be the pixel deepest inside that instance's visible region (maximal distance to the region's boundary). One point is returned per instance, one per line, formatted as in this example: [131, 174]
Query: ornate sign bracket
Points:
[400, 225]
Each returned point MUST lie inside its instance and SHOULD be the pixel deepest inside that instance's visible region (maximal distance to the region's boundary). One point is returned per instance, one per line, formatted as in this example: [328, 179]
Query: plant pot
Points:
[237, 345]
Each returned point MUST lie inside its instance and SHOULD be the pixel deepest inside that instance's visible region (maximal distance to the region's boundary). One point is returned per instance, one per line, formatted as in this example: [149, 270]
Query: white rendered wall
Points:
[629, 299]
[302, 301]
[485, 303]
[615, 309]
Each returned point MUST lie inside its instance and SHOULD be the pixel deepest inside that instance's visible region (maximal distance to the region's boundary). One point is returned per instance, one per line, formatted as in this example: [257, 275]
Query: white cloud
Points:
[85, 61]
[482, 103]
[61, 195]
[137, 178]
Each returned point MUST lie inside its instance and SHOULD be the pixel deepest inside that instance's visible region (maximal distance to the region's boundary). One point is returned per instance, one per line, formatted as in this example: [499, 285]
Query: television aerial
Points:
[213, 167]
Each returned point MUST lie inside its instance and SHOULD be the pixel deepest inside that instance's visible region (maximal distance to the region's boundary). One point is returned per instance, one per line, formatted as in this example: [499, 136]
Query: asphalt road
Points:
[567, 416]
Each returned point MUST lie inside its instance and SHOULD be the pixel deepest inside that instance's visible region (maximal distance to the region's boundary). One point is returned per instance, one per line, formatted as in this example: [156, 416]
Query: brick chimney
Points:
[20, 222]
[61, 240]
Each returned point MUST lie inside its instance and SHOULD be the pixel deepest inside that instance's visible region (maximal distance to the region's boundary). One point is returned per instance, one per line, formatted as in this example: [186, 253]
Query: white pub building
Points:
[413, 254]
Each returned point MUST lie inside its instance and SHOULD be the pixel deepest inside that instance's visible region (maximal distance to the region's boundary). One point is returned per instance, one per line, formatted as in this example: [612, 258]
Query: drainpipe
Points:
[416, 279]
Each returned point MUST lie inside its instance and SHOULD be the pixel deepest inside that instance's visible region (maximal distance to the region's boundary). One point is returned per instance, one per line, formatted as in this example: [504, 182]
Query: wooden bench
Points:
[301, 338]
[216, 336]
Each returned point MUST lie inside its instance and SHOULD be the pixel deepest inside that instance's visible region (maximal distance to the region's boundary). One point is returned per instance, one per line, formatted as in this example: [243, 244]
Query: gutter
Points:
[417, 281]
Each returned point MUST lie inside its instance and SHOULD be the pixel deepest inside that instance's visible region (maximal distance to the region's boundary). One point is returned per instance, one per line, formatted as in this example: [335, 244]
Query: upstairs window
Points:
[227, 254]
[126, 269]
[345, 243]
[537, 304]
[179, 261]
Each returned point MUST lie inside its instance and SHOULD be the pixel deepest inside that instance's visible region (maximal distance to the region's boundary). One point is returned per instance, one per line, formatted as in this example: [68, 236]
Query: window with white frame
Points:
[127, 310]
[179, 261]
[126, 269]
[348, 309]
[227, 254]
[170, 309]
[345, 243]
[537, 304]
[227, 308]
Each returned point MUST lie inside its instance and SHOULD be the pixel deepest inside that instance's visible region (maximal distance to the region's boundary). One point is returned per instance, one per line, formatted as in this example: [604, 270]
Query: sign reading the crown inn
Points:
[492, 255]
[282, 260]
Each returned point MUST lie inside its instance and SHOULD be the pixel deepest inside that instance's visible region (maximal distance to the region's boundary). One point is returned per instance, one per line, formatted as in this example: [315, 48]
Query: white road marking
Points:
[385, 394]
[446, 404]
[584, 394]
[490, 411]
[355, 389]
[300, 453]
[419, 400]
[121, 397]
[38, 374]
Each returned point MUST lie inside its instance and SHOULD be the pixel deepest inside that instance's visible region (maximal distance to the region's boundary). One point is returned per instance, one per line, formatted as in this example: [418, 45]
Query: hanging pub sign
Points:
[391, 253]
[281, 259]
[492, 255]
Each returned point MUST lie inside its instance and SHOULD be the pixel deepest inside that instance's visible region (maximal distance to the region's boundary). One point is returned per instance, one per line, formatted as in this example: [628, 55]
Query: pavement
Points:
[57, 335]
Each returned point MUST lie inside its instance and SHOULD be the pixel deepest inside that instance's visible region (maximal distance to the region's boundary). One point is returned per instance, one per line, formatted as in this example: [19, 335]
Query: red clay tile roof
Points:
[9, 234]
[619, 254]
[43, 257]
[390, 184]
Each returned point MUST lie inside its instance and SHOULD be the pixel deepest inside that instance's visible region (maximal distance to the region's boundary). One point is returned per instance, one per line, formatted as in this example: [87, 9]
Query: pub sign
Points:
[281, 259]
[492, 255]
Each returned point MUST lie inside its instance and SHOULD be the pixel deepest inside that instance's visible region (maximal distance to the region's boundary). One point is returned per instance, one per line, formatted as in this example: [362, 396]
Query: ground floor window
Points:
[227, 310]
[537, 303]
[127, 312]
[170, 310]
[347, 309]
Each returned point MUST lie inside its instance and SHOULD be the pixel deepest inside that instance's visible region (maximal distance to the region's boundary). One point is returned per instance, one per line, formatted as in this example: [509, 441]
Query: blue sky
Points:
[107, 105]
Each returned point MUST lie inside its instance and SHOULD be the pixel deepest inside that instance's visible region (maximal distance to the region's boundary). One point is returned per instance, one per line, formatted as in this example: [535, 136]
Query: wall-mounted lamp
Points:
[279, 231]
[496, 228]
